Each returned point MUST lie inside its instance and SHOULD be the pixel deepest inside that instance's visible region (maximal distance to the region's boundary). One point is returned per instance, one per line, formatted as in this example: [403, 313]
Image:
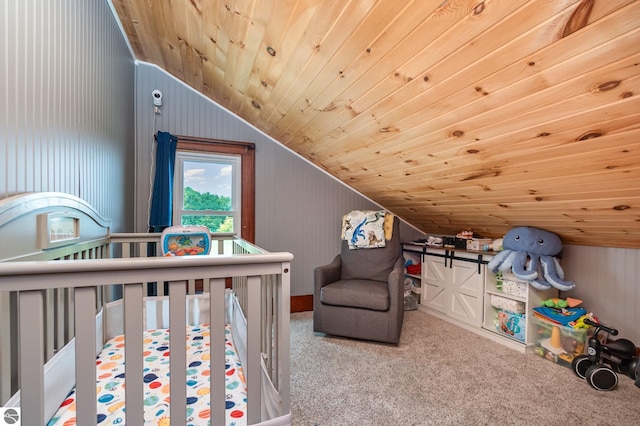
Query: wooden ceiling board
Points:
[512, 121]
[287, 39]
[356, 55]
[383, 85]
[378, 64]
[315, 51]
[414, 78]
[473, 98]
[455, 114]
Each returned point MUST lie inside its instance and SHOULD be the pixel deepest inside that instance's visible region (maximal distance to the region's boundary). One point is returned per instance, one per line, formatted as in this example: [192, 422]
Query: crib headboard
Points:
[50, 225]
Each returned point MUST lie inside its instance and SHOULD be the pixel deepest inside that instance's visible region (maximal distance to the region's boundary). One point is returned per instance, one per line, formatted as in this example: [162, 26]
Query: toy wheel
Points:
[580, 364]
[601, 377]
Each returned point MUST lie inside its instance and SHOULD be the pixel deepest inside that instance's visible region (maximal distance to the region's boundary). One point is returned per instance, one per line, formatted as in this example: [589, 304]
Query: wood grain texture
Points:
[462, 114]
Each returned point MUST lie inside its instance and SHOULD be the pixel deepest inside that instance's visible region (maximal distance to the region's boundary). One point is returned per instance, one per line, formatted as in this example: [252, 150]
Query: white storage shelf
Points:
[457, 287]
[525, 295]
[414, 254]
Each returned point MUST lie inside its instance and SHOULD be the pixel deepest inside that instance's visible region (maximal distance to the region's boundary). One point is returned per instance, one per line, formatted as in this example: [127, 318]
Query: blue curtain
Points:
[162, 195]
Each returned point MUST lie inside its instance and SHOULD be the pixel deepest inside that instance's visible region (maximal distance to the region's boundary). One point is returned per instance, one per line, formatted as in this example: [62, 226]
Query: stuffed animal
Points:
[530, 254]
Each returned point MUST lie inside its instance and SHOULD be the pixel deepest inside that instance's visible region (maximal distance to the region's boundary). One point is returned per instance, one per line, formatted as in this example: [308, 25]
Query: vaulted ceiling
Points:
[454, 114]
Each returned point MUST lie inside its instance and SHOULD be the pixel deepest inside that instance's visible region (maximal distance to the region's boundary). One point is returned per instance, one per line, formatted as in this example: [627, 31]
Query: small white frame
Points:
[58, 229]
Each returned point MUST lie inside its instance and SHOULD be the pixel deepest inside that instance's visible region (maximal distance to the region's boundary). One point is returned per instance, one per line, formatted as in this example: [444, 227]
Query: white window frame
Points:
[236, 190]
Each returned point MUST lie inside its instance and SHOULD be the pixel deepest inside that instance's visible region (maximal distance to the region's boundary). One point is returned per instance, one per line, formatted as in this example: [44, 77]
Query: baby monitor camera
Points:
[157, 97]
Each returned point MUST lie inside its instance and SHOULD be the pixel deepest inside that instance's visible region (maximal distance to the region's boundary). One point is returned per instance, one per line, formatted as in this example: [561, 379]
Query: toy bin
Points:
[512, 285]
[511, 324]
[558, 343]
[506, 304]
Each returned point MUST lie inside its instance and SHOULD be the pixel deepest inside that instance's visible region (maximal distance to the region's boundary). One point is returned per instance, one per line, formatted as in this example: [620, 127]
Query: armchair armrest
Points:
[396, 285]
[326, 274]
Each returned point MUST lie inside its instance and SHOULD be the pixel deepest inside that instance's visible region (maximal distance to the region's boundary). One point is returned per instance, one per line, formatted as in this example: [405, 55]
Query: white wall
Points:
[298, 206]
[608, 281]
[66, 110]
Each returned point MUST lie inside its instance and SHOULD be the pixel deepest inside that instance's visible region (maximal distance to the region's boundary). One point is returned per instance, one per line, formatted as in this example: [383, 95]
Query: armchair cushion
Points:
[357, 294]
[370, 264]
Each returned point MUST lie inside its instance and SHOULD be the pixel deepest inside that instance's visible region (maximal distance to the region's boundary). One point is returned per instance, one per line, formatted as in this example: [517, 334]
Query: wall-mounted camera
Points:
[157, 97]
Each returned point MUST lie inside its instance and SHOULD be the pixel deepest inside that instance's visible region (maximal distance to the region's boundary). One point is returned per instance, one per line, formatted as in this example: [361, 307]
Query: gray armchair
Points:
[360, 294]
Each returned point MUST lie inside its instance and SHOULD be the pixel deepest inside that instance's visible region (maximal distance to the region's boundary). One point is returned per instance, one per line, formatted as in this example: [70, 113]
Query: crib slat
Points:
[267, 312]
[59, 303]
[49, 314]
[70, 314]
[252, 371]
[85, 302]
[283, 333]
[5, 350]
[133, 357]
[31, 324]
[217, 351]
[126, 250]
[178, 352]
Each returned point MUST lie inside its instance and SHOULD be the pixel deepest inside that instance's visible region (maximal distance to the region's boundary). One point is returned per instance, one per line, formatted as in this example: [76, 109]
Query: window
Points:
[207, 191]
[220, 175]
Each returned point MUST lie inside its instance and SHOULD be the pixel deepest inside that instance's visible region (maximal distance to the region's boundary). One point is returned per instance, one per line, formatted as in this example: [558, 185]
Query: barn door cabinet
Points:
[458, 287]
[453, 285]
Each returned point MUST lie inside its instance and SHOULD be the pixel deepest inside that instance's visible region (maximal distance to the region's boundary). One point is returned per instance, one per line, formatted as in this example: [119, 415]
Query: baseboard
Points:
[302, 303]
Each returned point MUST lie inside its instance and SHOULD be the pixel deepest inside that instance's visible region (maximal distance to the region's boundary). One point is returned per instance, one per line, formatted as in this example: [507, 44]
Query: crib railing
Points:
[261, 281]
[127, 245]
[57, 313]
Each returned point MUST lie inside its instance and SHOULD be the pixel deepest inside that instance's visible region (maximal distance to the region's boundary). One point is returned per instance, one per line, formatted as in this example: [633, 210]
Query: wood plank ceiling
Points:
[454, 114]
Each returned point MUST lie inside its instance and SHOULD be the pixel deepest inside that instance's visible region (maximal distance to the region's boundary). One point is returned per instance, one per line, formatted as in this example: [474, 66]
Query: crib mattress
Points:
[110, 381]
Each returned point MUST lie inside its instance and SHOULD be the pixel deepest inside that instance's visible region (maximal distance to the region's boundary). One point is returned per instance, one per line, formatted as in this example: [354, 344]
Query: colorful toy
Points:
[186, 241]
[599, 367]
[530, 254]
[555, 303]
[579, 323]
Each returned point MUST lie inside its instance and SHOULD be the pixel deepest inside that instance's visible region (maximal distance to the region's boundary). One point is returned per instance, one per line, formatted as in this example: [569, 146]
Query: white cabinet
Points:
[457, 286]
[453, 284]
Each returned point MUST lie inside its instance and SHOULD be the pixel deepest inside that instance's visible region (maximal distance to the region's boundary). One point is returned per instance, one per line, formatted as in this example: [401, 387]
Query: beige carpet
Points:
[441, 374]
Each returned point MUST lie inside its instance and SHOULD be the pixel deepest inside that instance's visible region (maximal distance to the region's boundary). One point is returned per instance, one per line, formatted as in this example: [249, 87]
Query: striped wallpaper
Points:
[66, 111]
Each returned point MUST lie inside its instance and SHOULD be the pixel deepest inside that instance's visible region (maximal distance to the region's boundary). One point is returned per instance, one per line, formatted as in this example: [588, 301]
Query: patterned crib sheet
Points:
[110, 381]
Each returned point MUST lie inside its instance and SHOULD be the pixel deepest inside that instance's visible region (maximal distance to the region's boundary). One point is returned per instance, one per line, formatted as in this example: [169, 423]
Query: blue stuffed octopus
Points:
[530, 254]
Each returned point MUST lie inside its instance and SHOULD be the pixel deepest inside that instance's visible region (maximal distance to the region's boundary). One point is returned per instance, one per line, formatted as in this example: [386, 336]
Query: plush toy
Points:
[530, 254]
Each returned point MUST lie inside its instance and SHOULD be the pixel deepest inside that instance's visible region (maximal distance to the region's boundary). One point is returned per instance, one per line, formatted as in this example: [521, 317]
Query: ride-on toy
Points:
[604, 360]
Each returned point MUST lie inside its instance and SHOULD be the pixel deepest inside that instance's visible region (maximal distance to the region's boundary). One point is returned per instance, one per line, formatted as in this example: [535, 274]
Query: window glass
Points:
[207, 189]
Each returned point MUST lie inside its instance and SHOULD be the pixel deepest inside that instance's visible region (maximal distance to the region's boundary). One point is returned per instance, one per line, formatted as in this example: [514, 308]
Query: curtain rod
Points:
[210, 141]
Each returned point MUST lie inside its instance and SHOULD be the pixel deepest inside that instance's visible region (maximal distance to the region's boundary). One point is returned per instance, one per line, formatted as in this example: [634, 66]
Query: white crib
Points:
[61, 276]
